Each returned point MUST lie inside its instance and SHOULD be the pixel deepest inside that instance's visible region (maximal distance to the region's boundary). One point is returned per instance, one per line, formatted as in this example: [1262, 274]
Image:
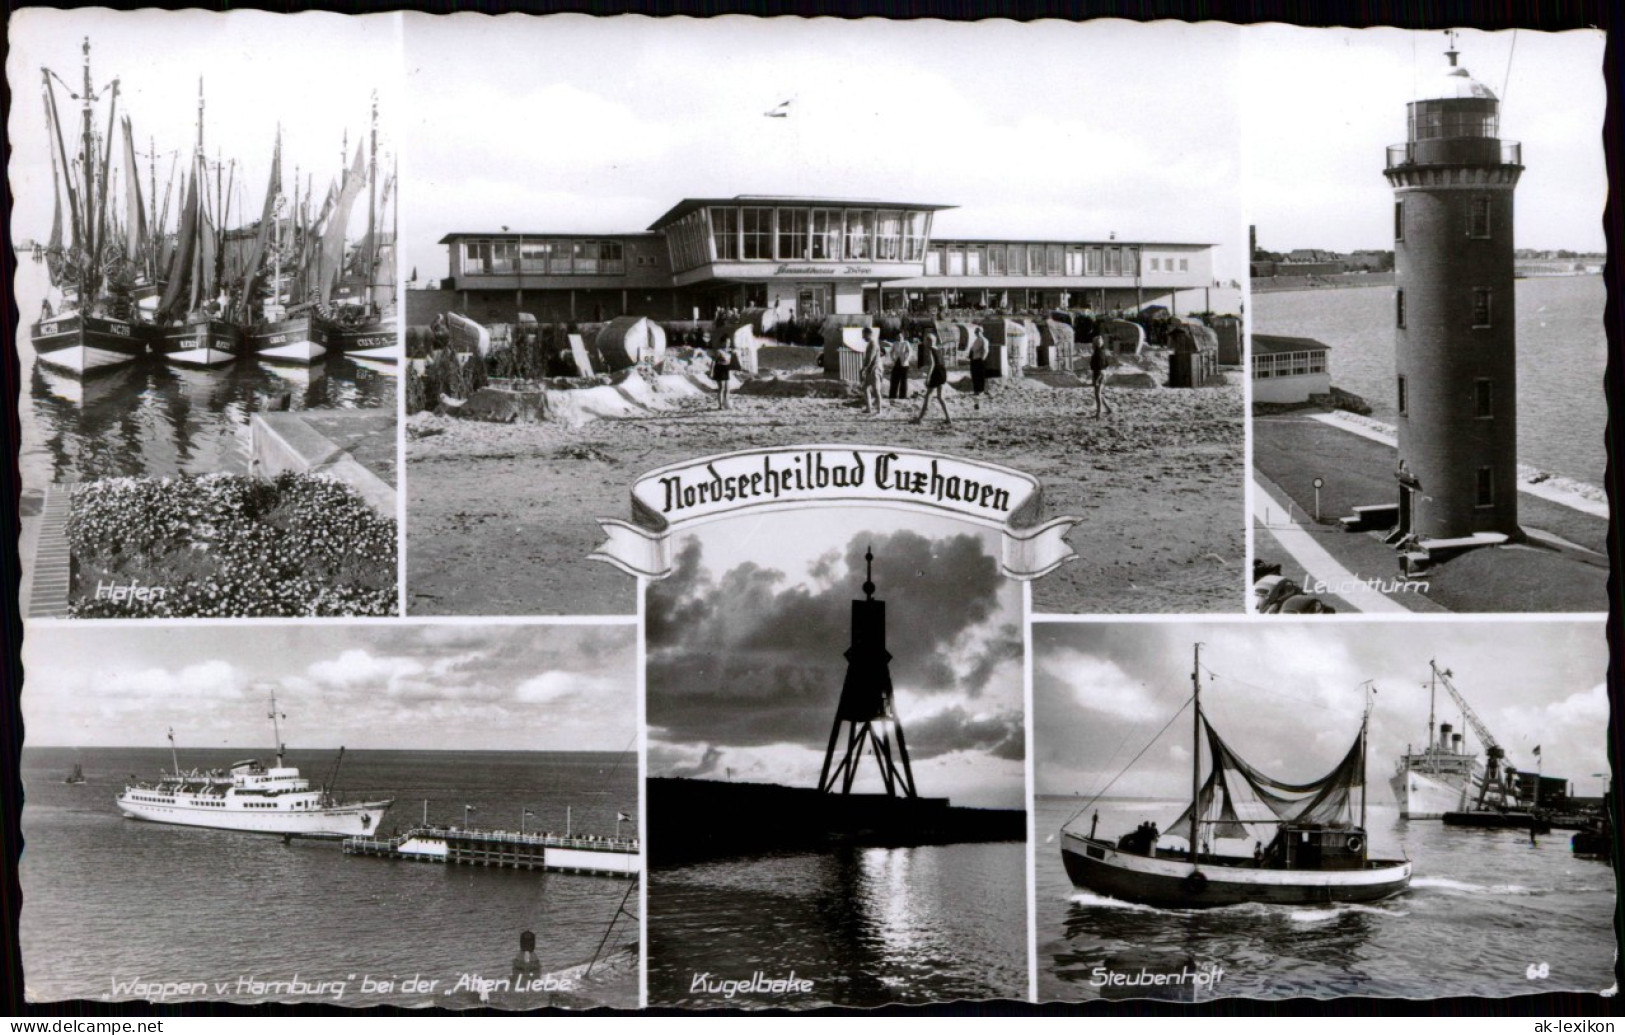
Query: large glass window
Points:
[973, 261]
[826, 233]
[476, 256]
[933, 262]
[1131, 262]
[586, 257]
[1431, 120]
[995, 260]
[889, 236]
[859, 227]
[956, 260]
[757, 225]
[1052, 259]
[1091, 262]
[792, 233]
[612, 257]
[533, 256]
[505, 256]
[558, 261]
[914, 232]
[725, 233]
[1017, 256]
[1035, 260]
[1114, 262]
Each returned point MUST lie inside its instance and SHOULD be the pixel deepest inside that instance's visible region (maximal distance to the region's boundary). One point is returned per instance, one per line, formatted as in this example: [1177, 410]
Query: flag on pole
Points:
[621, 817]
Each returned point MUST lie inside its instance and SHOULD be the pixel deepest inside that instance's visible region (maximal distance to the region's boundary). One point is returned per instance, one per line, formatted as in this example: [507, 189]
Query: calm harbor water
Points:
[866, 926]
[109, 900]
[1482, 910]
[152, 418]
[1562, 353]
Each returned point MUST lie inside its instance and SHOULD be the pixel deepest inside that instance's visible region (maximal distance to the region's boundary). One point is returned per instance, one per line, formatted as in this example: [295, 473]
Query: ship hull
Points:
[1168, 883]
[332, 822]
[1428, 795]
[210, 343]
[296, 340]
[81, 344]
[375, 340]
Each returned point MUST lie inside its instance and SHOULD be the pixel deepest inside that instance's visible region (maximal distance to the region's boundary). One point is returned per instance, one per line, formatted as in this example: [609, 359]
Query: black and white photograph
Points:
[340, 814]
[1322, 809]
[208, 342]
[1427, 257]
[836, 765]
[961, 237]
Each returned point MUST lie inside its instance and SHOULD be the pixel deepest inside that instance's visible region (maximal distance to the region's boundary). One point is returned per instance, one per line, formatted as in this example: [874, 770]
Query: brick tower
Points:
[867, 709]
[1455, 345]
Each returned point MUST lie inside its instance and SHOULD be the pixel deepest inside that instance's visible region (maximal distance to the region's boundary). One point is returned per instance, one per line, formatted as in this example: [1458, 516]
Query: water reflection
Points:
[151, 418]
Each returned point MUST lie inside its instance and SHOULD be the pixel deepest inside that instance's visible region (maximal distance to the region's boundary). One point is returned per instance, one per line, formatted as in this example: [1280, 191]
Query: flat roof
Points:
[507, 235]
[687, 205]
[936, 239]
[1271, 344]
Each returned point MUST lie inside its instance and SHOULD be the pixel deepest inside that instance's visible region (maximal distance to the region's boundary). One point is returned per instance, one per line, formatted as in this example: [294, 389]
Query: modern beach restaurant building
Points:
[806, 258]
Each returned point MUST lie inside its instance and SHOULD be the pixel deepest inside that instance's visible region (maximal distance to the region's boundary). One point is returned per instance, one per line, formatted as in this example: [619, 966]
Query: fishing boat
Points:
[94, 321]
[1439, 778]
[1319, 853]
[198, 317]
[287, 330]
[357, 291]
[77, 776]
[251, 797]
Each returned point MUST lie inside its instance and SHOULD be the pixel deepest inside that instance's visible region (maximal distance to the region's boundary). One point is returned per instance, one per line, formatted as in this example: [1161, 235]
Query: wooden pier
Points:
[598, 856]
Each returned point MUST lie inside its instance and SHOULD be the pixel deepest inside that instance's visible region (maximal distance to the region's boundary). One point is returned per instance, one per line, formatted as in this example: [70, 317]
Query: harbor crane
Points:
[1496, 773]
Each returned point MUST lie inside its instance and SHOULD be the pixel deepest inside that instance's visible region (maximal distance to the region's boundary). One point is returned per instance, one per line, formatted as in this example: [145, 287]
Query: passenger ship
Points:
[250, 797]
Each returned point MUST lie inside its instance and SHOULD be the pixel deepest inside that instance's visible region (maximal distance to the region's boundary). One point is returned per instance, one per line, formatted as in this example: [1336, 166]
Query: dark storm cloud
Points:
[954, 729]
[745, 660]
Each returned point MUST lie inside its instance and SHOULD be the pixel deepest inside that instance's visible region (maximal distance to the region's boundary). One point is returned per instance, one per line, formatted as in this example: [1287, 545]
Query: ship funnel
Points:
[1444, 735]
[1456, 741]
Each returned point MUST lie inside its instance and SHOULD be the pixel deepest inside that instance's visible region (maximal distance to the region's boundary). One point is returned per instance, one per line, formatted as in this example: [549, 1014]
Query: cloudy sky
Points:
[422, 686]
[580, 124]
[745, 661]
[1287, 698]
[313, 72]
[1322, 106]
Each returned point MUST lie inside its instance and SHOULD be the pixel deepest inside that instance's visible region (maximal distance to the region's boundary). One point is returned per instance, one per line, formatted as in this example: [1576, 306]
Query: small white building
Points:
[1289, 370]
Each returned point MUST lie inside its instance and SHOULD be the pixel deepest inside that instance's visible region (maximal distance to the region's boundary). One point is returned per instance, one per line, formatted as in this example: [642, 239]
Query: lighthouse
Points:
[1455, 345]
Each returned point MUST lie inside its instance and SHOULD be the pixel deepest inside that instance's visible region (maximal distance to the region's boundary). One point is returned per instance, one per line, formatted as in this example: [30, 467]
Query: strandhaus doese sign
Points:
[667, 500]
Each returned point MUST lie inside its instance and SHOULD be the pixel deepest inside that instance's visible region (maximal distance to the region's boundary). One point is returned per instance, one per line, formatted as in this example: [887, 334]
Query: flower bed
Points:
[228, 546]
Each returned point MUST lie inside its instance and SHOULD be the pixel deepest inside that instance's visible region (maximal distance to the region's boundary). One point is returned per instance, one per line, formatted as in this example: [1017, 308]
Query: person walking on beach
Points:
[936, 375]
[722, 365]
[902, 357]
[978, 366]
[1098, 362]
[869, 372]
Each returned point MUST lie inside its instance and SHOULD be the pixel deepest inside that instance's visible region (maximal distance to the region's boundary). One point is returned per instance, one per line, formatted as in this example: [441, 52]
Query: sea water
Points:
[158, 419]
[119, 909]
[1562, 354]
[1486, 914]
[849, 926]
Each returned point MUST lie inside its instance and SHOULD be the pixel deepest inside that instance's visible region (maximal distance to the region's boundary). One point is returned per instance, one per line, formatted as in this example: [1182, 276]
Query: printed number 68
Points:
[1537, 970]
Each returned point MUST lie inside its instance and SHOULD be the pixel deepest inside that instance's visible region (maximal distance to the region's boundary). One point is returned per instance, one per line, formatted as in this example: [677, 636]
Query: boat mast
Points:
[1196, 747]
[1433, 693]
[372, 201]
[1365, 723]
[174, 760]
[276, 729]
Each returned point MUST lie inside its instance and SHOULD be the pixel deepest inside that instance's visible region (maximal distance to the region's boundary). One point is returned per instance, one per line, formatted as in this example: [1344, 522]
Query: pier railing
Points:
[529, 840]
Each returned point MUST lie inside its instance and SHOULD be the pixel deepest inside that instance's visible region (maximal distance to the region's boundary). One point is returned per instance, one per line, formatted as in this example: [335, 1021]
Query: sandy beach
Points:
[502, 516]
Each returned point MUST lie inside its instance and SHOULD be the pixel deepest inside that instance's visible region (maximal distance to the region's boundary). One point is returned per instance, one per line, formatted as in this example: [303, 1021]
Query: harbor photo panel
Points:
[207, 285]
[303, 802]
[1321, 808]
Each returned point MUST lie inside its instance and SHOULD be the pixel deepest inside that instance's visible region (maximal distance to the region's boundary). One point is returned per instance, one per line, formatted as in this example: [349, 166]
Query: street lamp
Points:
[466, 810]
[522, 814]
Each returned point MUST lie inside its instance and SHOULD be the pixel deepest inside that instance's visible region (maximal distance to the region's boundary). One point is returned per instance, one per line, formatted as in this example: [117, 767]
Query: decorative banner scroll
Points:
[672, 498]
